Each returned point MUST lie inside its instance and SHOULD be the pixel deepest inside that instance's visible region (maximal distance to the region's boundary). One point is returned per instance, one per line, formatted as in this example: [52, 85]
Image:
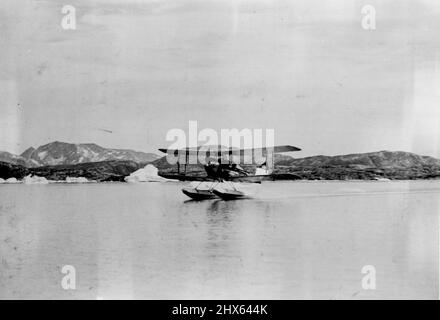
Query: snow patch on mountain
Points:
[42, 155]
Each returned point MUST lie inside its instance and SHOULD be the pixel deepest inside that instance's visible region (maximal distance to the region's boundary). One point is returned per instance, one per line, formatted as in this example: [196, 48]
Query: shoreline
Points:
[52, 182]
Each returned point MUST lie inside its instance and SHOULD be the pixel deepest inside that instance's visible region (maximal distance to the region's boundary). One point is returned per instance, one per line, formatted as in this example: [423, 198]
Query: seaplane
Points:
[222, 167]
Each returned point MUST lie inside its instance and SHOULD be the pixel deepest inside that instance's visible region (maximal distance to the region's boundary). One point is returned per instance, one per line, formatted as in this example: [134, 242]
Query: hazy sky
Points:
[133, 69]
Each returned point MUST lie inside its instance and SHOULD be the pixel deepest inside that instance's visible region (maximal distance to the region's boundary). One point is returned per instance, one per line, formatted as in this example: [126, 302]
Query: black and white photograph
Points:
[219, 150]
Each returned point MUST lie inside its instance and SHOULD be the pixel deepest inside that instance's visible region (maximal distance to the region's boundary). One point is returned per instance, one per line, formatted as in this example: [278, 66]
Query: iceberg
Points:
[2, 180]
[78, 180]
[147, 174]
[12, 180]
[381, 179]
[30, 179]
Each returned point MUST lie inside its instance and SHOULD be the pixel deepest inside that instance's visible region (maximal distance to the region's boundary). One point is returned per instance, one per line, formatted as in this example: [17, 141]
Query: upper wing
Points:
[280, 149]
[221, 150]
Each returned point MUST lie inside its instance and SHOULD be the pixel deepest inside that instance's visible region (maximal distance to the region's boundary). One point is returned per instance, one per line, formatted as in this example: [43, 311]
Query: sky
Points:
[134, 69]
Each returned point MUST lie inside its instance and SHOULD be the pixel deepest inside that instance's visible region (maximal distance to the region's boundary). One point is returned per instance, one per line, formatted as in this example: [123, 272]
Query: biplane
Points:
[222, 165]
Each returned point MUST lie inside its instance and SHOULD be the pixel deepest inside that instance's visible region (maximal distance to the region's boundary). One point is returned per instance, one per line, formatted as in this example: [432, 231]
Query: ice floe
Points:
[147, 174]
[30, 179]
[381, 179]
[77, 180]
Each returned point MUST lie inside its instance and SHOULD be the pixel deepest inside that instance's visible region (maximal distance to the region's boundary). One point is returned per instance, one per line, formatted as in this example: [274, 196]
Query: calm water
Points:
[292, 240]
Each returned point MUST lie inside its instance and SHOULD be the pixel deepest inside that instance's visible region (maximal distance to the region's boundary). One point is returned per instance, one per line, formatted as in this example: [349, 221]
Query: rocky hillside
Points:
[381, 159]
[382, 164]
[10, 170]
[13, 159]
[61, 153]
[113, 170]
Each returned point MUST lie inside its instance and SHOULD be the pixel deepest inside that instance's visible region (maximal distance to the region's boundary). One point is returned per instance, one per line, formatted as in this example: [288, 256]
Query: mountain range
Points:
[58, 160]
[380, 159]
[62, 153]
[364, 166]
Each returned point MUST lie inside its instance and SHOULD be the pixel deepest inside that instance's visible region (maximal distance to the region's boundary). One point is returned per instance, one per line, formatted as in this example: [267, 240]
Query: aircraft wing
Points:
[222, 150]
[281, 149]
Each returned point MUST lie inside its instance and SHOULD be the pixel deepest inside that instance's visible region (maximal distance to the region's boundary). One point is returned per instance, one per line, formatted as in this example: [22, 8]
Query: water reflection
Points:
[220, 219]
[220, 206]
